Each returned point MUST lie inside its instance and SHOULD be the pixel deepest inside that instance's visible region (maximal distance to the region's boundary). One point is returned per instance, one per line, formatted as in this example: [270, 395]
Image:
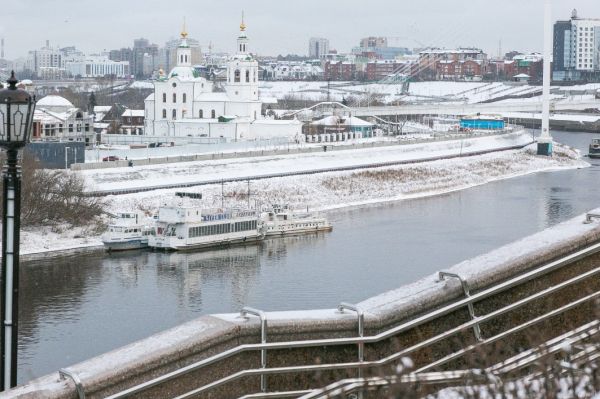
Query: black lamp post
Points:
[16, 117]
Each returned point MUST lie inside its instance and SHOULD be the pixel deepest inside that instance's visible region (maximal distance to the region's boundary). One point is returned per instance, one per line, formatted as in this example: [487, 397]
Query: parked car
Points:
[110, 158]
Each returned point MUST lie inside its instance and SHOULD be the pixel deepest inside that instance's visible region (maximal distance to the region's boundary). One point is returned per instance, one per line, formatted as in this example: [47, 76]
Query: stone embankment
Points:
[425, 308]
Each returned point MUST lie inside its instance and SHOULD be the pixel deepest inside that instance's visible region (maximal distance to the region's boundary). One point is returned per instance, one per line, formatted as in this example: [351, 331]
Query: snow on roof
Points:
[268, 100]
[142, 85]
[521, 75]
[133, 113]
[150, 97]
[216, 96]
[102, 108]
[277, 122]
[346, 121]
[452, 51]
[54, 101]
[43, 116]
[184, 74]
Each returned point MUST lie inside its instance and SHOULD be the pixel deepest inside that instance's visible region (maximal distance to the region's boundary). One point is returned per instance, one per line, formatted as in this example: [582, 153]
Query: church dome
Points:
[184, 73]
[53, 102]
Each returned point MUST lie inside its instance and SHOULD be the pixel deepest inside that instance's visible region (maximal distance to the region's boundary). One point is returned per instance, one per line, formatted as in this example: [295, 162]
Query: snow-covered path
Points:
[210, 171]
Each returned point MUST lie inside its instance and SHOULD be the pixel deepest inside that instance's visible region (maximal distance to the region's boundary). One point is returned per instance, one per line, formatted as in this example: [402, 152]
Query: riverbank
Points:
[326, 192]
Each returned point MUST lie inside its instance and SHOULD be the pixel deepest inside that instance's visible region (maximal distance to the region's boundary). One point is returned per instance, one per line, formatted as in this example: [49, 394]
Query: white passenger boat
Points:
[281, 220]
[128, 230]
[185, 228]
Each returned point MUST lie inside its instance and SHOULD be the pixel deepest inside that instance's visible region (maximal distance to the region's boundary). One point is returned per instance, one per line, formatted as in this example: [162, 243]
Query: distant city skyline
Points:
[276, 28]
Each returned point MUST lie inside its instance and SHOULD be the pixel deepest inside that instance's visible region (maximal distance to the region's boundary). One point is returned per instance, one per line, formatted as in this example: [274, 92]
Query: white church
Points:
[185, 104]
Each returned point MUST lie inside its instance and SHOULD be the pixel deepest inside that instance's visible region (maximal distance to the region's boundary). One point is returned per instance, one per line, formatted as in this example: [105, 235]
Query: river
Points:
[76, 307]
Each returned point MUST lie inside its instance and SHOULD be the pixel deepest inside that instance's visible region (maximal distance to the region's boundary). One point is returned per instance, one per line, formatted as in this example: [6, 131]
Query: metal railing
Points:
[495, 374]
[361, 341]
[590, 216]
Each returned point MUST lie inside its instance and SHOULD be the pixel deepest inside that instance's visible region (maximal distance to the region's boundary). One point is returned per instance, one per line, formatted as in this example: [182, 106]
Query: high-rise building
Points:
[318, 47]
[47, 62]
[576, 48]
[373, 42]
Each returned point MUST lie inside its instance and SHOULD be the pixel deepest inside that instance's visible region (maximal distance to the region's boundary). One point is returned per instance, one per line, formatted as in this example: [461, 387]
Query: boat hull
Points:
[125, 245]
[157, 245]
[297, 232]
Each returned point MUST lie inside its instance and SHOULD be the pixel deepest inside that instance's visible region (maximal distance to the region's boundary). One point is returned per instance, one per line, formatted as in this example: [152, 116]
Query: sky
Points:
[283, 26]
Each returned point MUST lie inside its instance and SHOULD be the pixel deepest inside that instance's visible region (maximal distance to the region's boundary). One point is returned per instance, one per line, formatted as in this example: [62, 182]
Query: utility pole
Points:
[544, 146]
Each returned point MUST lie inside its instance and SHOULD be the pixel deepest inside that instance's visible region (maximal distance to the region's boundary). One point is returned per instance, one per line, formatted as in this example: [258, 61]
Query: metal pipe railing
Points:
[263, 340]
[550, 347]
[361, 329]
[64, 373]
[384, 361]
[381, 336]
[590, 216]
[465, 287]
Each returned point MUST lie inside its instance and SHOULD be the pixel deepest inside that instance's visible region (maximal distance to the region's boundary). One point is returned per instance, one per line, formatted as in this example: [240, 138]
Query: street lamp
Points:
[16, 116]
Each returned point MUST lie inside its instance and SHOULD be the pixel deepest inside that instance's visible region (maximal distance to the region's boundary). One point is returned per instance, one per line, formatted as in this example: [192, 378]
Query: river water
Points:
[76, 307]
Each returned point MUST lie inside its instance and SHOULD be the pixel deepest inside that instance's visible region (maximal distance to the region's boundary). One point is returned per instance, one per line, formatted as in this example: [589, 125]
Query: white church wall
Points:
[267, 129]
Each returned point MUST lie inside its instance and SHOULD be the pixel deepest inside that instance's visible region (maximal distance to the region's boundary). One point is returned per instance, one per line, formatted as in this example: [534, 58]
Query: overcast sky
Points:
[283, 26]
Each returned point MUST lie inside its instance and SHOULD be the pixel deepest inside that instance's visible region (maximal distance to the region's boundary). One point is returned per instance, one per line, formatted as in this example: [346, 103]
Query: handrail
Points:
[361, 329]
[590, 216]
[492, 373]
[547, 268]
[390, 358]
[465, 287]
[263, 340]
[63, 373]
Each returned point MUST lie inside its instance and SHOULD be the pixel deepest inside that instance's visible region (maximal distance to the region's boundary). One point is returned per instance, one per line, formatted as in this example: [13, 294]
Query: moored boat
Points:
[127, 231]
[594, 149]
[181, 228]
[281, 220]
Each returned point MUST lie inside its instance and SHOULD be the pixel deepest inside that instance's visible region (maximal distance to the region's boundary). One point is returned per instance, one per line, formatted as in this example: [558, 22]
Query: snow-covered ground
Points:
[202, 171]
[462, 92]
[328, 191]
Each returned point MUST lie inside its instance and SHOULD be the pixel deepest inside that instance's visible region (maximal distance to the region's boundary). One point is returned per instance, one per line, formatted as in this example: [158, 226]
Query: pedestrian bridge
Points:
[456, 109]
[517, 305]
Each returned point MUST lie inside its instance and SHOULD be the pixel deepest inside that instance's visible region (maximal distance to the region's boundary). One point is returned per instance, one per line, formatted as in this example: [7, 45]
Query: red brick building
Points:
[460, 70]
[377, 70]
[340, 70]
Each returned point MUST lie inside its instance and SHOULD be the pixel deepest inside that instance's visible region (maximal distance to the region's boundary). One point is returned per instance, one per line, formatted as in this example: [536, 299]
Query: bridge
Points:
[451, 108]
[491, 320]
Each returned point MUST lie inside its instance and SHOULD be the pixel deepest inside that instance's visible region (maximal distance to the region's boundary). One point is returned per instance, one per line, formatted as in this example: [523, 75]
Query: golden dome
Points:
[242, 25]
[184, 33]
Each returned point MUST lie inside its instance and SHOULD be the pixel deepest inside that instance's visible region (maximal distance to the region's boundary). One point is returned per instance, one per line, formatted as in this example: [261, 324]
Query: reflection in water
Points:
[557, 206]
[80, 306]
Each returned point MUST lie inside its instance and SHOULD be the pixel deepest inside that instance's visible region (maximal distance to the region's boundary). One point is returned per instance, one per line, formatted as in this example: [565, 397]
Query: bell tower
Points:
[184, 53]
[242, 71]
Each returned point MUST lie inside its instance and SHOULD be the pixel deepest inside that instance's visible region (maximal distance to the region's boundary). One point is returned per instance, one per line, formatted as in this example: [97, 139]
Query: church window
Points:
[174, 84]
[201, 114]
[186, 58]
[174, 97]
[164, 114]
[164, 97]
[247, 76]
[184, 97]
[213, 114]
[236, 75]
[174, 114]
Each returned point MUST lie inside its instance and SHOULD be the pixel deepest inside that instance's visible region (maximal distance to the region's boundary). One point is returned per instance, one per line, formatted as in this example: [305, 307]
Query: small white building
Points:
[57, 119]
[184, 104]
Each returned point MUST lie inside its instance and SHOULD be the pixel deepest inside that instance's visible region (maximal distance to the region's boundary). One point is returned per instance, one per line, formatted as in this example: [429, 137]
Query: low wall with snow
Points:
[282, 150]
[209, 335]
